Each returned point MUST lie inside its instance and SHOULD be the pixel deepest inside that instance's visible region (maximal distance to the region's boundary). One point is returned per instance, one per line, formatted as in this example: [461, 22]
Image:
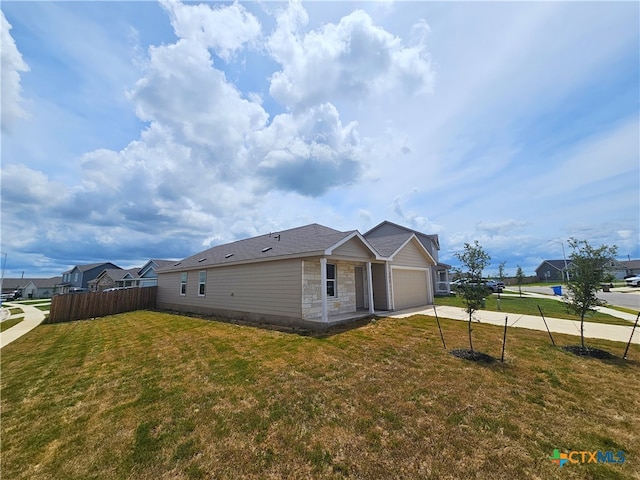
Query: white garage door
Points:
[409, 288]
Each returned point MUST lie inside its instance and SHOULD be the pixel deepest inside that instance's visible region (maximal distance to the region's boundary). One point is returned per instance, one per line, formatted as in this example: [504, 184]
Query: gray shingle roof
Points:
[557, 264]
[89, 266]
[46, 282]
[300, 241]
[119, 274]
[426, 240]
[388, 244]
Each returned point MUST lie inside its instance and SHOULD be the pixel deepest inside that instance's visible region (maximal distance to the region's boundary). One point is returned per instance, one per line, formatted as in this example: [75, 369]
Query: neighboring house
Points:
[148, 275]
[10, 285]
[80, 276]
[309, 276]
[632, 267]
[41, 287]
[114, 278]
[552, 270]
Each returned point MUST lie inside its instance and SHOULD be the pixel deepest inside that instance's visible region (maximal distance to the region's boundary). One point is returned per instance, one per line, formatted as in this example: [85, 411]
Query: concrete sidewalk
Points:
[32, 318]
[616, 333]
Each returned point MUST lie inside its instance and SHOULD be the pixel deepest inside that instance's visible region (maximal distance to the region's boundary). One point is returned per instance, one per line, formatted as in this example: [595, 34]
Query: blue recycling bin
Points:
[557, 290]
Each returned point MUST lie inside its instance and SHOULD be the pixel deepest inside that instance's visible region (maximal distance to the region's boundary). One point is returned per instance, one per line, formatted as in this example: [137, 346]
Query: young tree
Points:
[588, 269]
[473, 259]
[501, 271]
[519, 278]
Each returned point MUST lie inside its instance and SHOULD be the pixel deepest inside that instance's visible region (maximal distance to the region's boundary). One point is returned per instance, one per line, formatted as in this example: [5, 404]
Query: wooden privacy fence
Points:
[81, 306]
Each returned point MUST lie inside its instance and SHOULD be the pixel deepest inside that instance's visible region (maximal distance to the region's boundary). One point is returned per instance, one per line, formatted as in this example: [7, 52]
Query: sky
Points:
[139, 130]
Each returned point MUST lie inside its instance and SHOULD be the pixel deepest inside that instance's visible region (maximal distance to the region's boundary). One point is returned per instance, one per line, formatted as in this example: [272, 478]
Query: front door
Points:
[359, 288]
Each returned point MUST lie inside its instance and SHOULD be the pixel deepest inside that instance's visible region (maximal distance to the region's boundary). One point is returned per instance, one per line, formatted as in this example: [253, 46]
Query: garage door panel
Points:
[409, 288]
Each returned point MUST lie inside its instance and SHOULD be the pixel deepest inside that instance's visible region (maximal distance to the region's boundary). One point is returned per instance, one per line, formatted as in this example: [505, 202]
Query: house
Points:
[41, 287]
[80, 276]
[114, 278]
[312, 276]
[133, 277]
[632, 267]
[552, 270]
[148, 275]
[10, 285]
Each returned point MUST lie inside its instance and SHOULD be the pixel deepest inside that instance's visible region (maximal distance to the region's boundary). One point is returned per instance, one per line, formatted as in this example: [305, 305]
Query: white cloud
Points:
[308, 152]
[11, 67]
[183, 90]
[225, 29]
[351, 59]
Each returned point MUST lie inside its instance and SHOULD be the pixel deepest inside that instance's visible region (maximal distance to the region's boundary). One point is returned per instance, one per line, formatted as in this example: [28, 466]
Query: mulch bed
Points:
[588, 352]
[472, 355]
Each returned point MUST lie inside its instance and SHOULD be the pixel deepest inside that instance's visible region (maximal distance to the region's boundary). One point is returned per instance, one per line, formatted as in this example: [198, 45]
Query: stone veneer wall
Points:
[345, 302]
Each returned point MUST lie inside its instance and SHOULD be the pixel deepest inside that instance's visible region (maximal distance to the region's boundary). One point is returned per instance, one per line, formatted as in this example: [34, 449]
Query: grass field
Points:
[10, 323]
[529, 306]
[150, 395]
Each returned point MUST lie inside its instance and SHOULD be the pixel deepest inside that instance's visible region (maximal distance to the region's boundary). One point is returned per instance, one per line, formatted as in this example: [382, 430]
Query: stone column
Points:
[323, 288]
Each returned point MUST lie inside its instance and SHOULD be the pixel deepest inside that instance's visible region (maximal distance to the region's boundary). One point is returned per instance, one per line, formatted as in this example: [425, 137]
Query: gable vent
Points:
[266, 249]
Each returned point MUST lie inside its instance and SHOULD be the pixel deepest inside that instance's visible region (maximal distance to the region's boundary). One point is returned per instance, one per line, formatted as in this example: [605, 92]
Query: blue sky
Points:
[137, 130]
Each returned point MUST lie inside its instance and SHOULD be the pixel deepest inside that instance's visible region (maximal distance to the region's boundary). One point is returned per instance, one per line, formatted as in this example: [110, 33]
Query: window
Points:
[183, 283]
[75, 277]
[332, 283]
[202, 282]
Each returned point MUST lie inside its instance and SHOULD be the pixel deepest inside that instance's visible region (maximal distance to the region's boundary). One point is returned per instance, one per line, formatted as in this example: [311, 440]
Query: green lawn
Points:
[149, 395]
[529, 306]
[10, 323]
[15, 310]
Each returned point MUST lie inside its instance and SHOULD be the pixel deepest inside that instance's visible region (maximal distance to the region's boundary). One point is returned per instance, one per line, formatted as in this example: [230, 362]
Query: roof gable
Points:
[387, 228]
[418, 245]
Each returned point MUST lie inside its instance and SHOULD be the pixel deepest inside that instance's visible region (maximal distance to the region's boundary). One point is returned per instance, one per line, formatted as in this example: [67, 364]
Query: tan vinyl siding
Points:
[169, 288]
[411, 256]
[353, 249]
[271, 288]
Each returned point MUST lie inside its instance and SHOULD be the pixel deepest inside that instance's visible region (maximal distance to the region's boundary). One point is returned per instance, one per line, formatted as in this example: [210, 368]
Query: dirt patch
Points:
[472, 355]
[588, 352]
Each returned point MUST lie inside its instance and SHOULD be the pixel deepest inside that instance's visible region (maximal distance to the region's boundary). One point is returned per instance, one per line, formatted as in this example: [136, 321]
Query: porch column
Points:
[323, 288]
[389, 285]
[370, 287]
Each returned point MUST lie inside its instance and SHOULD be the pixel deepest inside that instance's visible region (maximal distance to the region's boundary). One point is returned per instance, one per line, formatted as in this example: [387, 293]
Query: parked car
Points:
[633, 281]
[11, 296]
[494, 286]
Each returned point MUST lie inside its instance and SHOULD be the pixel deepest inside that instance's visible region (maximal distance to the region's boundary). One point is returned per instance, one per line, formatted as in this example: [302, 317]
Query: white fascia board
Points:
[420, 246]
[329, 251]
